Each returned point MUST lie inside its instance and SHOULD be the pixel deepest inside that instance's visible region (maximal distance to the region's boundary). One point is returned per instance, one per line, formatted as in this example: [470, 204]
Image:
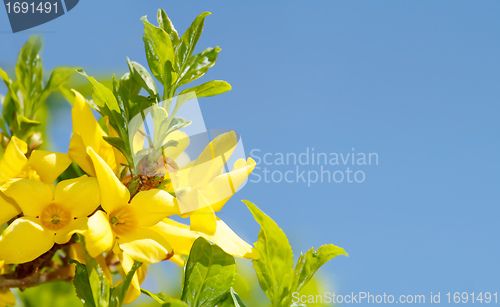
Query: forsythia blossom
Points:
[43, 165]
[51, 215]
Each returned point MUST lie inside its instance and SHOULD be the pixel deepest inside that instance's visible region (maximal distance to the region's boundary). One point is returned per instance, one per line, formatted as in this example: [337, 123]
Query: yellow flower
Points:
[126, 263]
[130, 223]
[51, 215]
[202, 188]
[88, 133]
[181, 238]
[134, 291]
[7, 298]
[42, 165]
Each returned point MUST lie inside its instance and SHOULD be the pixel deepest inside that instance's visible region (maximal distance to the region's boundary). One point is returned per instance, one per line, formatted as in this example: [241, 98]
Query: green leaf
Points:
[207, 89]
[120, 291]
[311, 261]
[5, 77]
[169, 80]
[160, 119]
[142, 76]
[210, 88]
[108, 105]
[119, 144]
[177, 123]
[175, 303]
[159, 49]
[82, 285]
[11, 104]
[198, 65]
[103, 96]
[209, 274]
[99, 285]
[164, 299]
[25, 125]
[128, 92]
[231, 300]
[58, 77]
[189, 40]
[167, 26]
[274, 268]
[29, 69]
[44, 295]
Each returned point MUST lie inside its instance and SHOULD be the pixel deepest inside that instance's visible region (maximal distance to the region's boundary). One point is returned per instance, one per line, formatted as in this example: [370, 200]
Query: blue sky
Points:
[415, 82]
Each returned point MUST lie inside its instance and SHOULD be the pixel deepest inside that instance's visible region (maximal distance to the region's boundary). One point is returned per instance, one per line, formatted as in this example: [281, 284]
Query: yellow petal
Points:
[13, 160]
[78, 153]
[145, 245]
[7, 298]
[48, 165]
[134, 291]
[120, 158]
[230, 242]
[182, 140]
[63, 235]
[204, 220]
[218, 192]
[99, 236]
[181, 238]
[24, 240]
[76, 252]
[90, 132]
[212, 159]
[178, 235]
[113, 193]
[8, 209]
[30, 195]
[178, 259]
[152, 206]
[138, 139]
[79, 196]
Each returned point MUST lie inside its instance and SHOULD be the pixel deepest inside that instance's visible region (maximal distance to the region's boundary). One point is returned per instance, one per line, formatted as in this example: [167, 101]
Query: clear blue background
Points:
[415, 81]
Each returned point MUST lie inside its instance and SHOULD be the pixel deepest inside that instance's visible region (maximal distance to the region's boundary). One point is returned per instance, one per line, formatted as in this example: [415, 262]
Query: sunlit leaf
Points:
[209, 274]
[274, 268]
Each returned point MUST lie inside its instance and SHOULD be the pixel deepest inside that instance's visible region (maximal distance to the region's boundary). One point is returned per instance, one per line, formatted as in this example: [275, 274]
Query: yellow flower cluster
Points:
[100, 207]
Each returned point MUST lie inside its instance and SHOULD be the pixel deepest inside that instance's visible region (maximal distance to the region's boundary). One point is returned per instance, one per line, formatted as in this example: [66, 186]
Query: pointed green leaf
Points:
[118, 144]
[176, 124]
[120, 291]
[175, 303]
[58, 77]
[82, 285]
[159, 49]
[198, 65]
[99, 285]
[167, 26]
[142, 76]
[5, 77]
[189, 40]
[231, 300]
[11, 95]
[108, 105]
[103, 96]
[29, 69]
[207, 89]
[274, 268]
[209, 274]
[311, 261]
[164, 299]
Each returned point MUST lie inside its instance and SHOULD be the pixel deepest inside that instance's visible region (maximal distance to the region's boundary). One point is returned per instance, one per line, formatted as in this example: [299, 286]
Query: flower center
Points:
[54, 217]
[123, 220]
